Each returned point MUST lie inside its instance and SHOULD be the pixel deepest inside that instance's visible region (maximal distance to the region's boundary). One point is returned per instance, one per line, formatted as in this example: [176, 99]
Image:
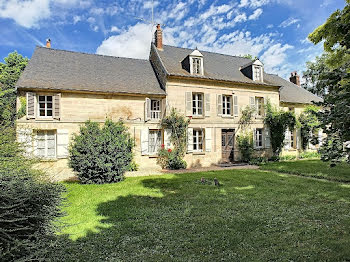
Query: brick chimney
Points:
[295, 78]
[158, 37]
[48, 43]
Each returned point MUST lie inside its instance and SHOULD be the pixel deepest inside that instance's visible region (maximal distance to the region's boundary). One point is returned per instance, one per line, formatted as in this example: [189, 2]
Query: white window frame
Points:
[227, 105]
[197, 134]
[259, 104]
[257, 73]
[45, 102]
[155, 113]
[158, 141]
[258, 138]
[46, 144]
[196, 104]
[196, 65]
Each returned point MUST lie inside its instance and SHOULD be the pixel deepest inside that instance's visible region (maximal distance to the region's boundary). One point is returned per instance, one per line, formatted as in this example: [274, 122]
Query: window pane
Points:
[41, 105]
[49, 105]
[41, 98]
[49, 112]
[51, 152]
[42, 112]
[49, 98]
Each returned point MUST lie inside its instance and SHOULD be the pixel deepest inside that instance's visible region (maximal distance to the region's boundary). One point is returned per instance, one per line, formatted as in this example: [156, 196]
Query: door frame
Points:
[231, 158]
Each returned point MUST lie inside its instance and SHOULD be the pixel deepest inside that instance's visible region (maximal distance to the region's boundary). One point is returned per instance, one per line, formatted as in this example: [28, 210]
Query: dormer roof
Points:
[196, 53]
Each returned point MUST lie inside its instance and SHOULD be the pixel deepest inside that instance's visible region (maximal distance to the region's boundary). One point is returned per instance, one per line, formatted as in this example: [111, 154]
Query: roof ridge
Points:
[210, 52]
[85, 53]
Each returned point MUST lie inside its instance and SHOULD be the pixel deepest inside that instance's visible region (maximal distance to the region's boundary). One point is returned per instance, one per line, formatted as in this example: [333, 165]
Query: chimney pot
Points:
[158, 37]
[295, 78]
[48, 43]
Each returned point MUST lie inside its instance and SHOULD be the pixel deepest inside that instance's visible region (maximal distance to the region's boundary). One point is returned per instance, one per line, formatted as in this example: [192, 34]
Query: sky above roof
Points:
[274, 30]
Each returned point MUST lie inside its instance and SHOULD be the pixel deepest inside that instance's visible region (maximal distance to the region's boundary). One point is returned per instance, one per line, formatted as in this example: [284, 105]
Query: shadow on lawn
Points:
[150, 228]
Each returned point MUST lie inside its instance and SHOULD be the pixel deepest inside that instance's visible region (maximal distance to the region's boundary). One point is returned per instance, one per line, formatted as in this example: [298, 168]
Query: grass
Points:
[253, 216]
[312, 168]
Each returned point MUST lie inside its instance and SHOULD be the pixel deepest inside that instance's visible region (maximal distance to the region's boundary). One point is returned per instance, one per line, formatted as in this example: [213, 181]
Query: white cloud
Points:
[114, 29]
[243, 3]
[253, 3]
[215, 10]
[148, 4]
[269, 26]
[76, 19]
[240, 18]
[289, 22]
[255, 14]
[134, 42]
[27, 14]
[275, 57]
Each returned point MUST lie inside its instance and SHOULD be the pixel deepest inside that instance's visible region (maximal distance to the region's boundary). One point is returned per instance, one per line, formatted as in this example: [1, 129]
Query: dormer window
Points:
[257, 73]
[254, 70]
[193, 63]
[196, 65]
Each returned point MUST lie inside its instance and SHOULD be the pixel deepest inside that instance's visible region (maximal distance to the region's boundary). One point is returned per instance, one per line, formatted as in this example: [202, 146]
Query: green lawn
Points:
[312, 168]
[253, 216]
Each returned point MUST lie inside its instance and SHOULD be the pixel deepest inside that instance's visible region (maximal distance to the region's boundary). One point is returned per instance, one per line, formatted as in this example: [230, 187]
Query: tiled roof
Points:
[65, 70]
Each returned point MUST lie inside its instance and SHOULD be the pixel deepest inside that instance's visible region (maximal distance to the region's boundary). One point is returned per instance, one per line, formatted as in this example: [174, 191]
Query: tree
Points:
[309, 125]
[335, 120]
[9, 74]
[101, 154]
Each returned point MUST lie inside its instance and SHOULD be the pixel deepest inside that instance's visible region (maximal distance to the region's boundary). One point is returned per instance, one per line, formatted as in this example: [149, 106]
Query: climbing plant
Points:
[245, 138]
[309, 125]
[278, 121]
[177, 124]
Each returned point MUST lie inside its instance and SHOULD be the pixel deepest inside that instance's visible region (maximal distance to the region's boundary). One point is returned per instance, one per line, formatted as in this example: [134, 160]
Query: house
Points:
[63, 89]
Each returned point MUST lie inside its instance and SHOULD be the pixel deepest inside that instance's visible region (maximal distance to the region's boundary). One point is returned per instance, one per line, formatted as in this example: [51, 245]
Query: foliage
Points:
[28, 206]
[170, 159]
[245, 145]
[278, 121]
[258, 161]
[249, 56]
[23, 108]
[9, 74]
[174, 217]
[309, 125]
[334, 117]
[309, 154]
[101, 154]
[288, 157]
[177, 124]
[246, 118]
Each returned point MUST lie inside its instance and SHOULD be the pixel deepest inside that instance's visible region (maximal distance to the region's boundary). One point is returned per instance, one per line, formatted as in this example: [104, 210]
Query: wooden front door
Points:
[227, 143]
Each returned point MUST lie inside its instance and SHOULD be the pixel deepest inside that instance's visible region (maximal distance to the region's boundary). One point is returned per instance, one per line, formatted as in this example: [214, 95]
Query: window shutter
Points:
[287, 136]
[148, 109]
[188, 103]
[144, 141]
[31, 99]
[62, 143]
[252, 101]
[163, 107]
[235, 106]
[298, 136]
[254, 137]
[25, 138]
[57, 106]
[167, 134]
[219, 105]
[208, 139]
[189, 140]
[207, 104]
[267, 138]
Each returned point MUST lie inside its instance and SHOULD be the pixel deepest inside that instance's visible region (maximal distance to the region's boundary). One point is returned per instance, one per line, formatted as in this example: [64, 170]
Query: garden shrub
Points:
[288, 157]
[245, 145]
[29, 205]
[173, 158]
[258, 161]
[101, 154]
[309, 154]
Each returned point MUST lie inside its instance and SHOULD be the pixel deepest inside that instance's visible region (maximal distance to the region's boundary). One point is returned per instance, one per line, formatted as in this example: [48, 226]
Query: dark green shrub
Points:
[28, 205]
[101, 154]
[245, 145]
[258, 161]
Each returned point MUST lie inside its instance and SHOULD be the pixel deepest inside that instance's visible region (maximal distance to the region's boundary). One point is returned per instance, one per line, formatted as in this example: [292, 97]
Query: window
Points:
[226, 105]
[196, 65]
[259, 105]
[155, 109]
[154, 142]
[46, 143]
[259, 138]
[45, 106]
[257, 73]
[197, 104]
[198, 140]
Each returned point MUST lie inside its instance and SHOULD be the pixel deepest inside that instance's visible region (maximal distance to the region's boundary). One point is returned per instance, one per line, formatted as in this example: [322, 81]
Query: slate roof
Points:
[227, 68]
[65, 70]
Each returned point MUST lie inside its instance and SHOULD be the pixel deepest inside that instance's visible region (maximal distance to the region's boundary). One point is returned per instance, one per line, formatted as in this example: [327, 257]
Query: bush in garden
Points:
[170, 159]
[28, 205]
[101, 154]
[245, 145]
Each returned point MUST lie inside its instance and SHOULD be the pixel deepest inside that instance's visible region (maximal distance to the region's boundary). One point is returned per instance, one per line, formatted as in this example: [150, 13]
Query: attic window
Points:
[196, 65]
[257, 76]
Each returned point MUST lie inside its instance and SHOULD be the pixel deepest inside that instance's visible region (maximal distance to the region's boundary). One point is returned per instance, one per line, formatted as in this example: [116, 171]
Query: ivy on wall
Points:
[309, 126]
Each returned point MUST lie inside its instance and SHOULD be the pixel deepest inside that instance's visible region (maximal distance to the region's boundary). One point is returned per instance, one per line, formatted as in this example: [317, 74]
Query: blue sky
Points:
[274, 30]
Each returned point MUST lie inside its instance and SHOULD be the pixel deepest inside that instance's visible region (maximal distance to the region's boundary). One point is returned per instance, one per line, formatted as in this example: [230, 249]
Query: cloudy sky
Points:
[274, 30]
